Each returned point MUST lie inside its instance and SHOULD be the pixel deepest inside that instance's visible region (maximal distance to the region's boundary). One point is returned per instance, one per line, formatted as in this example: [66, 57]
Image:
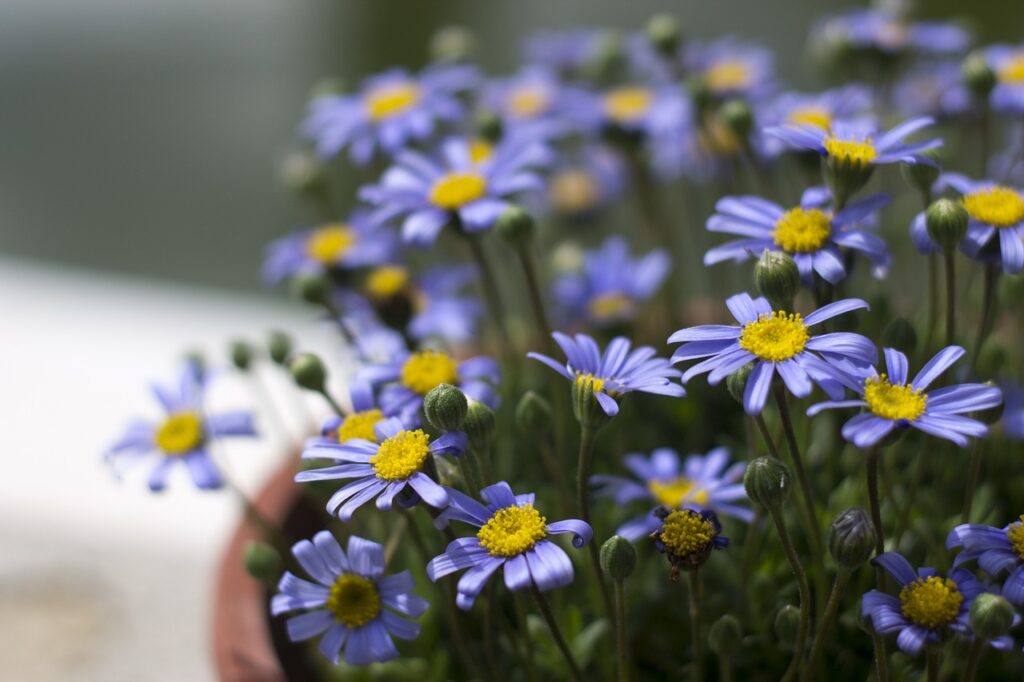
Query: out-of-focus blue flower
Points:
[889, 33]
[466, 183]
[1007, 61]
[612, 284]
[859, 142]
[566, 51]
[700, 482]
[584, 181]
[391, 110]
[732, 68]
[995, 233]
[350, 601]
[383, 468]
[616, 372]
[817, 110]
[535, 103]
[359, 423]
[811, 233]
[996, 550]
[636, 107]
[182, 437]
[775, 341]
[932, 89]
[892, 401]
[513, 537]
[928, 604]
[1013, 410]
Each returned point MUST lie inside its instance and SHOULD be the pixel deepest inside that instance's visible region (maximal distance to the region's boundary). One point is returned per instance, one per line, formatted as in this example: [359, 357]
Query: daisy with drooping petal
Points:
[892, 401]
[996, 550]
[513, 536]
[612, 284]
[687, 537]
[811, 233]
[391, 110]
[614, 373]
[383, 467]
[468, 184]
[700, 482]
[182, 437]
[859, 143]
[350, 601]
[995, 233]
[775, 341]
[928, 604]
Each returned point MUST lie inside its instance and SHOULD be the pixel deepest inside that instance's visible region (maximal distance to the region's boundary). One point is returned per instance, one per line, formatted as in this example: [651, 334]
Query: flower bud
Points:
[738, 116]
[263, 562]
[725, 637]
[777, 278]
[312, 288]
[488, 125]
[851, 539]
[977, 75]
[445, 407]
[921, 176]
[515, 226]
[241, 355]
[946, 221]
[767, 482]
[700, 93]
[991, 616]
[452, 44]
[609, 57]
[900, 334]
[303, 173]
[309, 372]
[736, 383]
[279, 347]
[787, 624]
[618, 557]
[664, 34]
[533, 414]
[479, 426]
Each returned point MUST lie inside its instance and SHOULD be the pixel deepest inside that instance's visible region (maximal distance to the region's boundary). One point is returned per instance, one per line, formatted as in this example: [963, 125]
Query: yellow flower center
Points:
[527, 102]
[455, 190]
[401, 456]
[392, 99]
[685, 532]
[716, 138]
[775, 336]
[810, 116]
[180, 433]
[612, 304]
[360, 425]
[573, 191]
[387, 281]
[1013, 70]
[860, 152]
[428, 368]
[802, 230]
[1015, 534]
[890, 401]
[353, 600]
[931, 602]
[998, 206]
[673, 493]
[480, 150]
[328, 244]
[628, 103]
[596, 384]
[731, 74]
[512, 531]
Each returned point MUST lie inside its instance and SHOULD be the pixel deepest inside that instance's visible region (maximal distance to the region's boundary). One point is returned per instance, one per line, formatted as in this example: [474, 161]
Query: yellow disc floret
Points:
[387, 281]
[360, 425]
[858, 152]
[512, 531]
[628, 103]
[775, 336]
[573, 191]
[330, 243]
[998, 206]
[427, 369]
[455, 190]
[401, 456]
[675, 492]
[180, 433]
[354, 600]
[686, 532]
[1012, 71]
[390, 100]
[584, 380]
[931, 602]
[609, 305]
[480, 150]
[802, 230]
[894, 401]
[727, 75]
[816, 117]
[527, 102]
[1015, 534]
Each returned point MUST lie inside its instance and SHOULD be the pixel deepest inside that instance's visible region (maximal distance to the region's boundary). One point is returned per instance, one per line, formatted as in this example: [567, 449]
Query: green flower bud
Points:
[900, 334]
[738, 116]
[777, 278]
[767, 482]
[263, 562]
[533, 414]
[479, 426]
[946, 221]
[309, 372]
[515, 226]
[452, 44]
[241, 355]
[664, 33]
[279, 346]
[851, 539]
[303, 173]
[700, 93]
[609, 57]
[787, 624]
[921, 176]
[725, 637]
[312, 288]
[618, 557]
[736, 383]
[991, 616]
[445, 407]
[488, 125]
[977, 75]
[585, 408]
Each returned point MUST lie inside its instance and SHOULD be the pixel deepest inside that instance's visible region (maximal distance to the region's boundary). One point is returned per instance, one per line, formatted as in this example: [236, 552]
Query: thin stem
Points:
[621, 643]
[881, 660]
[724, 669]
[805, 594]
[763, 428]
[934, 656]
[524, 630]
[490, 650]
[950, 258]
[697, 665]
[583, 464]
[540, 318]
[332, 402]
[977, 649]
[988, 309]
[828, 620]
[933, 300]
[874, 504]
[490, 286]
[974, 471]
[556, 632]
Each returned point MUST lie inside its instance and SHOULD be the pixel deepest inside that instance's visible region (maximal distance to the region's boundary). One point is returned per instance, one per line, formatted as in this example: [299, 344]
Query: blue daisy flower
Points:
[468, 183]
[183, 436]
[859, 142]
[391, 464]
[1007, 62]
[584, 181]
[513, 537]
[995, 210]
[774, 341]
[811, 233]
[817, 109]
[892, 402]
[612, 284]
[891, 33]
[359, 423]
[997, 550]
[928, 604]
[700, 482]
[732, 68]
[616, 372]
[350, 601]
[535, 103]
[636, 107]
[391, 110]
[1013, 410]
[933, 89]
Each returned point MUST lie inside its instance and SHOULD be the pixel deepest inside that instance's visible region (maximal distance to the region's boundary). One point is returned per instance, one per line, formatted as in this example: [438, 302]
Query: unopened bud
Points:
[767, 482]
[309, 372]
[241, 355]
[664, 33]
[851, 539]
[725, 637]
[279, 347]
[991, 616]
[736, 383]
[618, 557]
[452, 44]
[515, 226]
[263, 562]
[777, 278]
[921, 176]
[479, 426]
[533, 414]
[738, 116]
[977, 75]
[312, 288]
[445, 407]
[787, 624]
[946, 221]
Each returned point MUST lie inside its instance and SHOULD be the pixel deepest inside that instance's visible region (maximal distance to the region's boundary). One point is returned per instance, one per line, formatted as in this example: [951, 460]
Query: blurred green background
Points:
[143, 136]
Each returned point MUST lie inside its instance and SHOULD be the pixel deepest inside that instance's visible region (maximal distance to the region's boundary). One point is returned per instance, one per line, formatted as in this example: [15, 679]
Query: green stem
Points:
[988, 309]
[333, 403]
[586, 456]
[950, 259]
[933, 300]
[540, 318]
[881, 660]
[763, 428]
[491, 295]
[874, 503]
[621, 644]
[974, 471]
[524, 630]
[828, 620]
[934, 656]
[725, 669]
[977, 649]
[556, 632]
[695, 636]
[490, 649]
[805, 594]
